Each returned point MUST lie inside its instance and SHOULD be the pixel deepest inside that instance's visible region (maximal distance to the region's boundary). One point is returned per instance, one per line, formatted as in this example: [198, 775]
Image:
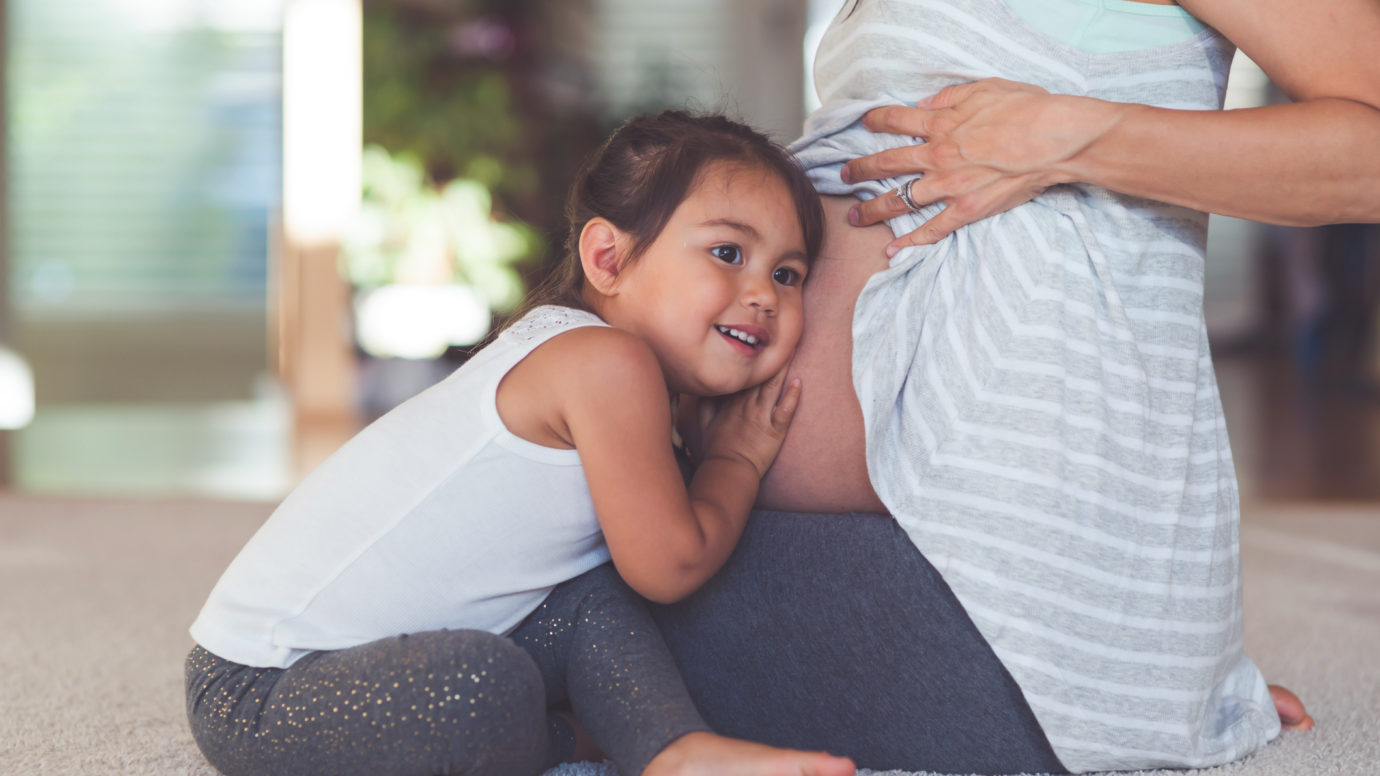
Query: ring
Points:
[903, 191]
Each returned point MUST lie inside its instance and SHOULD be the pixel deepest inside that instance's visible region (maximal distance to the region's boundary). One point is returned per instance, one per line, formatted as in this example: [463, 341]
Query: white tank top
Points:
[435, 516]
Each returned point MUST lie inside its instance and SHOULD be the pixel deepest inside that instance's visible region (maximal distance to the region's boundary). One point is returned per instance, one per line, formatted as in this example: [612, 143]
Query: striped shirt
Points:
[1041, 410]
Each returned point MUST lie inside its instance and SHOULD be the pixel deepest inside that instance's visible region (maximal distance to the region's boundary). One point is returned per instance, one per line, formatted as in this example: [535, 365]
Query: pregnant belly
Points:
[822, 465]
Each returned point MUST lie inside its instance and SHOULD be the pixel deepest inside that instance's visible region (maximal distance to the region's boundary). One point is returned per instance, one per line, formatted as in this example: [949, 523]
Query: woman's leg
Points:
[597, 645]
[442, 702]
[833, 632]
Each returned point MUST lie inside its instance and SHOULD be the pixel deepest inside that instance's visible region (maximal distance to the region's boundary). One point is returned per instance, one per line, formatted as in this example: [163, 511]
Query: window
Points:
[144, 174]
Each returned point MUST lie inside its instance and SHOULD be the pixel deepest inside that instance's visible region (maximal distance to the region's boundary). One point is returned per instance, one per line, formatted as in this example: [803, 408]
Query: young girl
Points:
[424, 597]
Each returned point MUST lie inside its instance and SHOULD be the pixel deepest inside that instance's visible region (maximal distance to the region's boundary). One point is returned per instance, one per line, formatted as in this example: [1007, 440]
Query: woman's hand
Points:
[989, 145]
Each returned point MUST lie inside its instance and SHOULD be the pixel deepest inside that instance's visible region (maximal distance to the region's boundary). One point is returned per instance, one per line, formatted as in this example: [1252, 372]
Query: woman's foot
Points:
[1292, 715]
[707, 754]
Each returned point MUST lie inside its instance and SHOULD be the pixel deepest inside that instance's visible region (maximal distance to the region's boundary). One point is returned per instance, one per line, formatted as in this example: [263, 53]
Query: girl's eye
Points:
[786, 276]
[729, 253]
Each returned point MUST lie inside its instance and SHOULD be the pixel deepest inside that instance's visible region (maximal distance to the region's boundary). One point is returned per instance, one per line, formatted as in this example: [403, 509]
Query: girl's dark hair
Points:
[645, 170]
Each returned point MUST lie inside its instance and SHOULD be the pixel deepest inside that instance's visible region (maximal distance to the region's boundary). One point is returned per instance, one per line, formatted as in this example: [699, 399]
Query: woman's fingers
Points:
[930, 116]
[916, 122]
[890, 205]
[982, 155]
[908, 159]
[945, 223]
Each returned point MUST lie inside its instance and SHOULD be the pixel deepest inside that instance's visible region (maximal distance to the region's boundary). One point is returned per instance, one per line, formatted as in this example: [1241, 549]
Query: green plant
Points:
[410, 231]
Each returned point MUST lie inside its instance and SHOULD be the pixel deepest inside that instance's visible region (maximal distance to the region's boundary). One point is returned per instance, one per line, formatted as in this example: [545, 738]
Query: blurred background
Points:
[234, 232]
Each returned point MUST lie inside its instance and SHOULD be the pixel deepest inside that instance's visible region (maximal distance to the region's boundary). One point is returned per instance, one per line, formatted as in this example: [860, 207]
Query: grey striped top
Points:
[1041, 410]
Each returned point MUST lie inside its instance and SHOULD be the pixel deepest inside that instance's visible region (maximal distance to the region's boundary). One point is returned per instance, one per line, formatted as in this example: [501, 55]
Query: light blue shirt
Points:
[1102, 26]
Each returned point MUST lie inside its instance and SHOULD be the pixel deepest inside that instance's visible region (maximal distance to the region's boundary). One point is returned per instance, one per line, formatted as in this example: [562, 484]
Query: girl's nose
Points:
[759, 293]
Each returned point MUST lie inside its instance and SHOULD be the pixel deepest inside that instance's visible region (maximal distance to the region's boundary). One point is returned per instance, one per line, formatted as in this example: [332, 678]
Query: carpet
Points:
[96, 597]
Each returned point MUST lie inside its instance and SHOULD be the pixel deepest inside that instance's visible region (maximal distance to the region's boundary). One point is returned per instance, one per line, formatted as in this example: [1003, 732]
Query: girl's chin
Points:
[713, 388]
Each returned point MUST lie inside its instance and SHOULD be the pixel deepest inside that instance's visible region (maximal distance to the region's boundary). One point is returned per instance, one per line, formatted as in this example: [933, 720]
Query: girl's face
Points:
[718, 293]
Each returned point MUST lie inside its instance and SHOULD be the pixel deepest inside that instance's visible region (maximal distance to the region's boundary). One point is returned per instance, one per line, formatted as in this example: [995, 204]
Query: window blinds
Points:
[144, 152]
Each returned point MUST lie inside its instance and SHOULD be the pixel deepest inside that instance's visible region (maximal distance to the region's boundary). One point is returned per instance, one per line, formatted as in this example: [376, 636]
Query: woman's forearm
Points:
[1304, 163]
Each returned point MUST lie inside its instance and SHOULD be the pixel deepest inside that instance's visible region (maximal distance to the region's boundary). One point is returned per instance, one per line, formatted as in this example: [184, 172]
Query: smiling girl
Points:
[424, 598]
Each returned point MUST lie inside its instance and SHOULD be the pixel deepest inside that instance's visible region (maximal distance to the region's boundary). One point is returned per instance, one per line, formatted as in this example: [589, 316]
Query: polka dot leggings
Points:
[453, 702]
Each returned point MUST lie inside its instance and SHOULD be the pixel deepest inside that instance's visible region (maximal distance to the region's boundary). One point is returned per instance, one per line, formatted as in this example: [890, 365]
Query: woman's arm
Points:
[665, 541]
[1314, 161]
[994, 144]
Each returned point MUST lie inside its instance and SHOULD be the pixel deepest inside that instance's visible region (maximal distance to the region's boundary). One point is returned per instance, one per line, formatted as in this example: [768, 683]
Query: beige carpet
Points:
[95, 598]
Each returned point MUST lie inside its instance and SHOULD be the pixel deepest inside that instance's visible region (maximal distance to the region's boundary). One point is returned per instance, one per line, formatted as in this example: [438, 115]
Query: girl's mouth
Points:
[746, 339]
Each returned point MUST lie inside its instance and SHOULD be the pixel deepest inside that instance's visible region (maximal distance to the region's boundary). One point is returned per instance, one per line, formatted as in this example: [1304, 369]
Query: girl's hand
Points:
[750, 425]
[989, 145]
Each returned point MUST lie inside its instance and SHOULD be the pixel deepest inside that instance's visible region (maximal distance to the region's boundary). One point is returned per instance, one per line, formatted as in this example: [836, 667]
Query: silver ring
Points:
[903, 191]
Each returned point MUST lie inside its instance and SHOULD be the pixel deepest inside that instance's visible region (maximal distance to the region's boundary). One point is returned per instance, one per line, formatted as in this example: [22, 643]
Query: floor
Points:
[246, 450]
[1294, 440]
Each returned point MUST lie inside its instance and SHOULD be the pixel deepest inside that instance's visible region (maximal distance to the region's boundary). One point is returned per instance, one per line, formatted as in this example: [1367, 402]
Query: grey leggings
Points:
[833, 632]
[453, 702]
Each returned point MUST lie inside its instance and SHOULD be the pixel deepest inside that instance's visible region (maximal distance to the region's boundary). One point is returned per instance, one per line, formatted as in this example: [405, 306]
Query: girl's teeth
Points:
[738, 335]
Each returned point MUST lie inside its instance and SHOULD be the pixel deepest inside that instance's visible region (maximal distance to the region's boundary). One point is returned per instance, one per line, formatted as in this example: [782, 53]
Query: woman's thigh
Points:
[833, 632]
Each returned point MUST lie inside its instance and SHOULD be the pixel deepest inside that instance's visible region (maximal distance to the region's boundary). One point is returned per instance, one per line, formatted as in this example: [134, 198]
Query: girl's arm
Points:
[994, 144]
[665, 541]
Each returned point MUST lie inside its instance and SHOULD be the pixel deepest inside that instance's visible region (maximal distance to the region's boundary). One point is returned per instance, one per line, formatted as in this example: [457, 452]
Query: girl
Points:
[424, 597]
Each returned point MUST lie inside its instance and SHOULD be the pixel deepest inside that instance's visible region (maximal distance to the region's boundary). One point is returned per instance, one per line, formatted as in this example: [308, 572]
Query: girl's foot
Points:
[707, 754]
[1292, 715]
[586, 751]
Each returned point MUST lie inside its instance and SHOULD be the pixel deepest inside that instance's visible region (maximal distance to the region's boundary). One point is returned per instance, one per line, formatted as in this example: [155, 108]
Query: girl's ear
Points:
[601, 254]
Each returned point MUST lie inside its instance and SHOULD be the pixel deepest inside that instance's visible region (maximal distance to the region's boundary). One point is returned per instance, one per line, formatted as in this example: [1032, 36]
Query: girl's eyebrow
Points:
[751, 232]
[730, 223]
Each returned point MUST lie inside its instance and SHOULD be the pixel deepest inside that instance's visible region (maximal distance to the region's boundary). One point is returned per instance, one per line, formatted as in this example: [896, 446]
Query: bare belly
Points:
[822, 465]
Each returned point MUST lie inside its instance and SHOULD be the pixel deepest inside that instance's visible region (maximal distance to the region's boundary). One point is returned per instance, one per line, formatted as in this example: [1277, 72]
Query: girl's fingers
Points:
[785, 409]
[770, 390]
[708, 408]
[778, 382]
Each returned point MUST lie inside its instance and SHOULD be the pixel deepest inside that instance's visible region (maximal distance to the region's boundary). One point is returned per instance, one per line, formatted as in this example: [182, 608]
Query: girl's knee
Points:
[468, 702]
[464, 654]
[485, 703]
[461, 678]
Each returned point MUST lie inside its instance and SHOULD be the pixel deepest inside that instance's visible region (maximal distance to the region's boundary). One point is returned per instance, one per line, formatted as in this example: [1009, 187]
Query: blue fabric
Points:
[1105, 26]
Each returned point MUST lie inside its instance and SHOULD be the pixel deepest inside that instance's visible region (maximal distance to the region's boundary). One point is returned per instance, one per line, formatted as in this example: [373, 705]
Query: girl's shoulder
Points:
[541, 321]
[583, 372]
[601, 353]
[587, 376]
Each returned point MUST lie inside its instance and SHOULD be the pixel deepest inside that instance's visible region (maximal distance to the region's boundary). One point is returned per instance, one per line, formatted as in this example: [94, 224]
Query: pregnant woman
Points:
[1002, 535]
